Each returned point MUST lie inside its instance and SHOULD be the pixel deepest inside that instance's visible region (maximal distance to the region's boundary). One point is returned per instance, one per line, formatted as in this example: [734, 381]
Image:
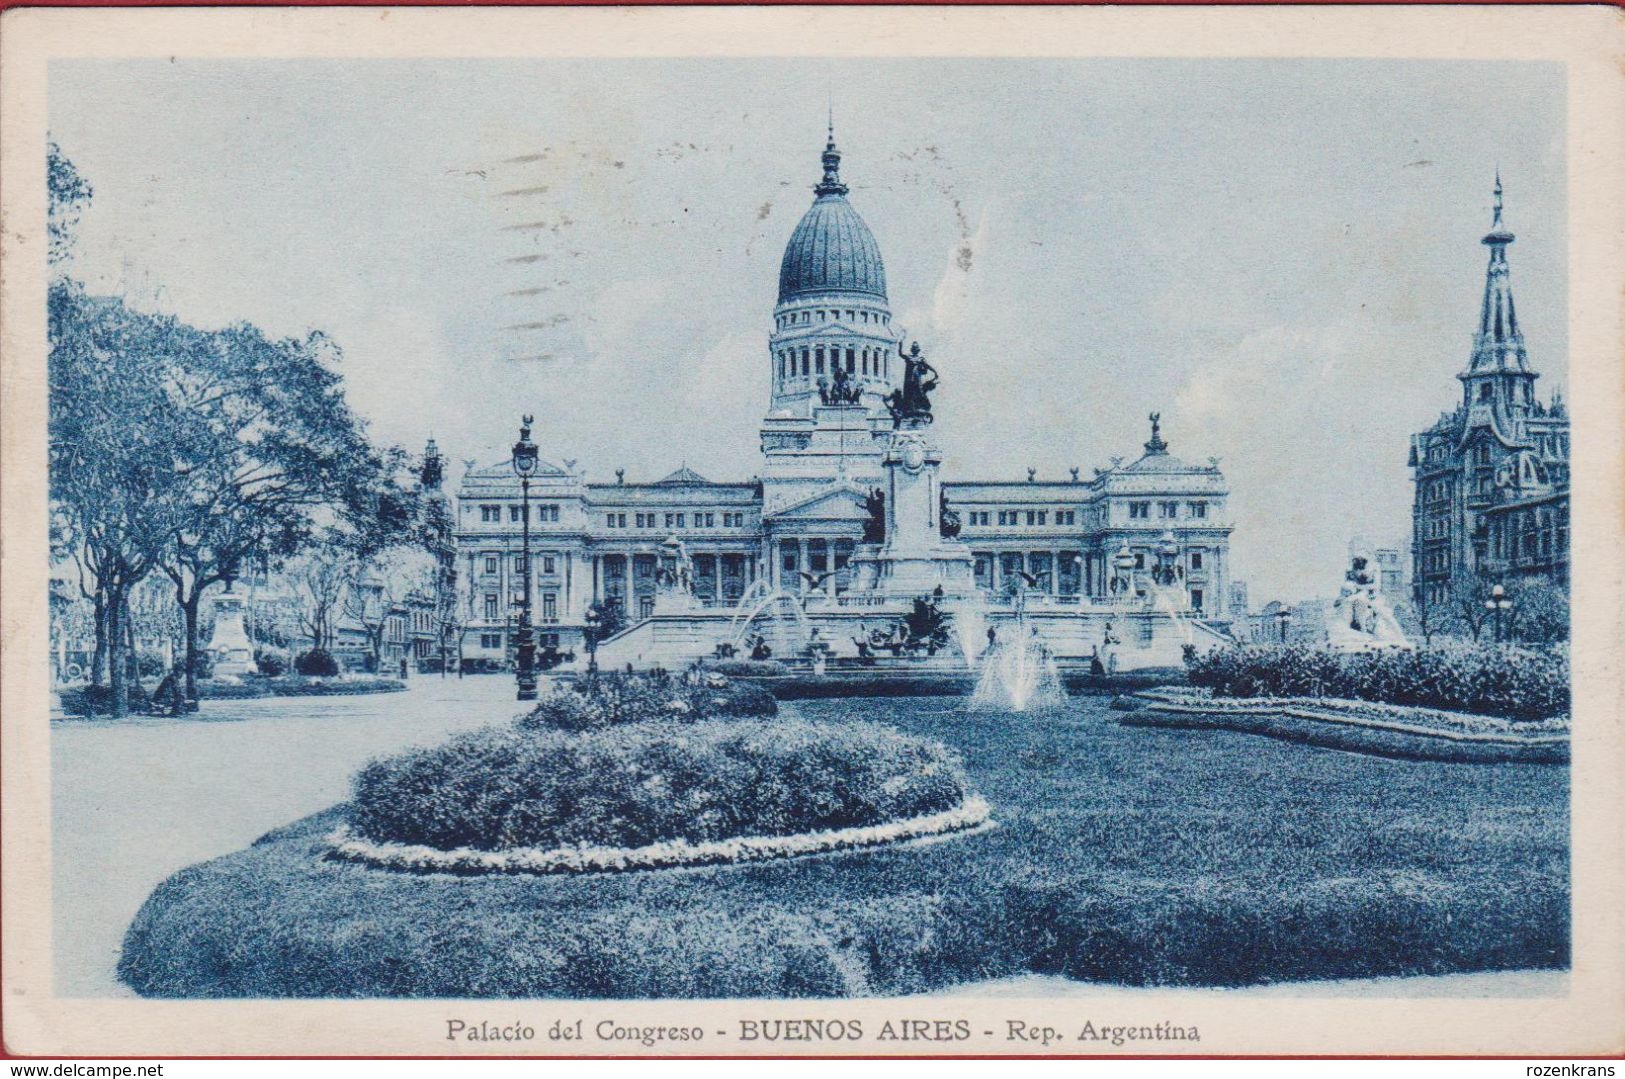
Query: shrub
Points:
[150, 664]
[619, 699]
[749, 668]
[271, 661]
[294, 686]
[316, 663]
[247, 689]
[630, 786]
[1509, 683]
[98, 700]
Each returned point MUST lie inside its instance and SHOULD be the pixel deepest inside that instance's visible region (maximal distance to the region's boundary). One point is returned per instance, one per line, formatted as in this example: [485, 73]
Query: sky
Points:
[1280, 257]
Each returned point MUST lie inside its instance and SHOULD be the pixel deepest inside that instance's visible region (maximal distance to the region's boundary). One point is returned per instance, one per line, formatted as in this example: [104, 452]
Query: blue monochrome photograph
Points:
[776, 529]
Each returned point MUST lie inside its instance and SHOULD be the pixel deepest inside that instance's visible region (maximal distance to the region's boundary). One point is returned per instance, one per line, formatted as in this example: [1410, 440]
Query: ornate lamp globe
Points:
[525, 456]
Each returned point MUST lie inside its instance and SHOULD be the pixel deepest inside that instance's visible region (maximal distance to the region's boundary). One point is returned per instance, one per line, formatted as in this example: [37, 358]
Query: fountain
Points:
[762, 598]
[1018, 672]
[1360, 619]
[970, 630]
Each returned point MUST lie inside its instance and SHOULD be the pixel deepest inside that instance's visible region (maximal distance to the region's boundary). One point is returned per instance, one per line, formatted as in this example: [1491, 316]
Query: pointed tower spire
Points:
[1499, 369]
[831, 183]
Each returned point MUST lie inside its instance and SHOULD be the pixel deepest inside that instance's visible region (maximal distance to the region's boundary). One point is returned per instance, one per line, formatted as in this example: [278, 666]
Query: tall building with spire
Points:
[834, 355]
[1491, 498]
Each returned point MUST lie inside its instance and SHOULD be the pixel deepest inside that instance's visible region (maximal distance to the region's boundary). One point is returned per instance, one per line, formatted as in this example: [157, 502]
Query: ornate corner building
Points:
[836, 363]
[1491, 500]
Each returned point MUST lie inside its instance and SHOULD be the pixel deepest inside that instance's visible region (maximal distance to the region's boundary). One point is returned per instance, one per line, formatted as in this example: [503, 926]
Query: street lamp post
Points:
[524, 466]
[593, 619]
[1282, 617]
[1498, 604]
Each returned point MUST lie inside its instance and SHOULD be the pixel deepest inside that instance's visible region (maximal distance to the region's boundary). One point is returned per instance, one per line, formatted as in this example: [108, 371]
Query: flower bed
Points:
[647, 783]
[616, 700]
[1503, 682]
[972, 813]
[1357, 726]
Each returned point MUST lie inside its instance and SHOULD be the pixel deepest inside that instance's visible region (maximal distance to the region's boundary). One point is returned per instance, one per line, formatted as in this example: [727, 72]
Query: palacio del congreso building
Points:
[853, 518]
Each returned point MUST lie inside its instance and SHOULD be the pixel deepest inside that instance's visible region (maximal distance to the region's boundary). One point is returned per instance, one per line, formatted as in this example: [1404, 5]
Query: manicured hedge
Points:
[619, 699]
[295, 686]
[813, 687]
[631, 785]
[748, 668]
[1509, 683]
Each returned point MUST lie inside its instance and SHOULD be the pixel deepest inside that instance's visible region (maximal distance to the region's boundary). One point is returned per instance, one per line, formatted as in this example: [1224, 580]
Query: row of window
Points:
[869, 363]
[545, 513]
[675, 520]
[1436, 490]
[854, 316]
[1166, 510]
[1436, 528]
[549, 606]
[1536, 533]
[1436, 561]
[549, 563]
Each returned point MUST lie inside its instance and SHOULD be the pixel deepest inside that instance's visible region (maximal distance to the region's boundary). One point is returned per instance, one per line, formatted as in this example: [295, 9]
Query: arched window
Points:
[806, 364]
[818, 362]
[851, 361]
[866, 361]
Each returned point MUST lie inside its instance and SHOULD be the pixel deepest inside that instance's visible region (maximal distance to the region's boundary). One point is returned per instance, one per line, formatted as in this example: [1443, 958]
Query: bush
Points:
[1505, 682]
[271, 661]
[619, 699]
[295, 686]
[150, 664]
[630, 786]
[748, 668]
[247, 689]
[316, 663]
[98, 700]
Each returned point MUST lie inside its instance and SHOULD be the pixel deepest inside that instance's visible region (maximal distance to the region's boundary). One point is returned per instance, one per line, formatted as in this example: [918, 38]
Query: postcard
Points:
[812, 531]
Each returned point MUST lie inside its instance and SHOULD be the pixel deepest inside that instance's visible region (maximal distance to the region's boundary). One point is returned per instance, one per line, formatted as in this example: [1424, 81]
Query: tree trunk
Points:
[131, 660]
[119, 690]
[189, 613]
[98, 659]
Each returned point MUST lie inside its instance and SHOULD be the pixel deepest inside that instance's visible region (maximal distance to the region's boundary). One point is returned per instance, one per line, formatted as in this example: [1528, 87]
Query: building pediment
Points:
[843, 502]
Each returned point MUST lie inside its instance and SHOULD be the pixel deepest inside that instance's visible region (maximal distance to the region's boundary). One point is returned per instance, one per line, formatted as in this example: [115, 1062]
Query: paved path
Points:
[136, 801]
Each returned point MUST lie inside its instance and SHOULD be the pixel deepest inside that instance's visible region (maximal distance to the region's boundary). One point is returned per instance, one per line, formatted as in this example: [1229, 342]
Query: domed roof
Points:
[831, 250]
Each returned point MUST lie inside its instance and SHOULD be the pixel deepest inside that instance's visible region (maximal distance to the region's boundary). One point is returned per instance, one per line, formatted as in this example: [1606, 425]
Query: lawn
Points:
[1135, 856]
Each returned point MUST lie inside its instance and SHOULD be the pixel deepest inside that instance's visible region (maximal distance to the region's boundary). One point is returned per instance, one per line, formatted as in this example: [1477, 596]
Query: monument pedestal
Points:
[915, 560]
[229, 644]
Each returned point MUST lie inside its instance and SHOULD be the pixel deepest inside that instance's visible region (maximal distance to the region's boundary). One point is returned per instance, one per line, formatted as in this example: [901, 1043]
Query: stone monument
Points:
[1360, 619]
[913, 557]
[229, 644]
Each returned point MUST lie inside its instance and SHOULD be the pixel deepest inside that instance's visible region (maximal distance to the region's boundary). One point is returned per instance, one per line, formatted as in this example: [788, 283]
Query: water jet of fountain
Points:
[1019, 672]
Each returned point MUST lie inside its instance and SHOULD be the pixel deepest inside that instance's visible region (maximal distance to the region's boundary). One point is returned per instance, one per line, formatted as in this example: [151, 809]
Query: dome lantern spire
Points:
[831, 183]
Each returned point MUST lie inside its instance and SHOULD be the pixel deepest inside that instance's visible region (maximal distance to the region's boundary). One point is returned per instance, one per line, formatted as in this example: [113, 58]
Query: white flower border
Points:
[671, 854]
[1454, 727]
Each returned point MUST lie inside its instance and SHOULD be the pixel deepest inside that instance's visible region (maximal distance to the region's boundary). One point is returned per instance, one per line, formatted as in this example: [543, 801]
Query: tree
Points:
[319, 578]
[1468, 593]
[117, 440]
[1539, 612]
[1434, 617]
[284, 450]
[67, 195]
[379, 585]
